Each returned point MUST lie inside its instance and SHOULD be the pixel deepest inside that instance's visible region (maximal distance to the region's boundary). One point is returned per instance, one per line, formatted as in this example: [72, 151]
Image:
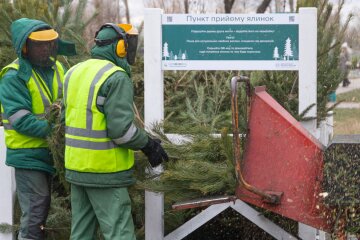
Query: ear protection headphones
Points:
[121, 46]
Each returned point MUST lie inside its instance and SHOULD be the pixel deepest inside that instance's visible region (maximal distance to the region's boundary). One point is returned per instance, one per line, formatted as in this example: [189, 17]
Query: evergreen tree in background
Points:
[67, 17]
[283, 86]
[331, 34]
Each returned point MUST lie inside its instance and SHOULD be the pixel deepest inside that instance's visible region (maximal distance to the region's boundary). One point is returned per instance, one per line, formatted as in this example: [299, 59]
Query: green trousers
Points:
[33, 190]
[110, 208]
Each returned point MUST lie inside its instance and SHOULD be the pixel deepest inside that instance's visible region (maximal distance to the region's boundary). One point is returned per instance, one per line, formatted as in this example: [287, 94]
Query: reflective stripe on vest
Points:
[87, 146]
[41, 99]
[45, 100]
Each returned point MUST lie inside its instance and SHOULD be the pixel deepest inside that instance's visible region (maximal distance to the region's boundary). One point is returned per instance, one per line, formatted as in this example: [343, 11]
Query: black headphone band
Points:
[121, 35]
[105, 42]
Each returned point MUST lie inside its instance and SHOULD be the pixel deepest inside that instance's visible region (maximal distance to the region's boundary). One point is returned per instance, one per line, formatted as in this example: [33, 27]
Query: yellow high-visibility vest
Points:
[87, 146]
[41, 99]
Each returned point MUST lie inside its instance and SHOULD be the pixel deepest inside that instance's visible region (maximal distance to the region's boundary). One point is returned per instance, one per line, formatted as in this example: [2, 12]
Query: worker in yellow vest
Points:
[100, 136]
[28, 86]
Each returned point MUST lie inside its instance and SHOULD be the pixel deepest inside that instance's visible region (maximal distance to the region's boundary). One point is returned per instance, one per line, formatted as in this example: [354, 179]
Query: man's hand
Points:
[155, 153]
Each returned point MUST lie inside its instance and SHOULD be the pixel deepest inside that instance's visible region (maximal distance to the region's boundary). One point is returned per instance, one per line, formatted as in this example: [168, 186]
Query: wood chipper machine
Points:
[281, 168]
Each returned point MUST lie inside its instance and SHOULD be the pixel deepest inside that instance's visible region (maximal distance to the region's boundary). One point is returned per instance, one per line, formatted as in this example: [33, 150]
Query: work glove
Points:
[154, 152]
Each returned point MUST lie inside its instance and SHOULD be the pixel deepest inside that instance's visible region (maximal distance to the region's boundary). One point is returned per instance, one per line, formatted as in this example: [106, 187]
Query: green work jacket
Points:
[26, 150]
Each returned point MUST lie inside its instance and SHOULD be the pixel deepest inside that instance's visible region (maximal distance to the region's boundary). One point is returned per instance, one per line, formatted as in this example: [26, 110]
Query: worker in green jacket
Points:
[100, 136]
[28, 86]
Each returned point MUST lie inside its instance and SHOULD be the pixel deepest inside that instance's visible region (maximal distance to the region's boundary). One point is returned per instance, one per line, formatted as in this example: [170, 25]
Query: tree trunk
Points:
[228, 4]
[291, 4]
[278, 6]
[186, 6]
[127, 11]
[263, 6]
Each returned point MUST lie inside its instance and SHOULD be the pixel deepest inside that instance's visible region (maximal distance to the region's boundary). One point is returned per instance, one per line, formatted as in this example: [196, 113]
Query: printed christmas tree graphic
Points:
[166, 50]
[185, 56]
[287, 51]
[295, 52]
[179, 56]
[276, 53]
[169, 54]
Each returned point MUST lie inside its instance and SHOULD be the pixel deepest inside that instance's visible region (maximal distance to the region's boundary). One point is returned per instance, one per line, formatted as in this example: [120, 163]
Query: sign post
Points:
[308, 65]
[308, 86]
[154, 112]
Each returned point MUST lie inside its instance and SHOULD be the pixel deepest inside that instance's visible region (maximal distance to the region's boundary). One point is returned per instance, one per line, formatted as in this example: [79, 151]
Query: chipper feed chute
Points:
[282, 166]
[283, 160]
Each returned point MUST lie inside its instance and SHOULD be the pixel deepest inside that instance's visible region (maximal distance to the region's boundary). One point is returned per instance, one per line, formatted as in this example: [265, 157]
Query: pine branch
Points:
[7, 228]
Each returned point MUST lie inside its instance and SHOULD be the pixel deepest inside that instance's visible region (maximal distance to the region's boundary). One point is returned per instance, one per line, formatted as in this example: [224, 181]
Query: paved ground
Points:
[355, 84]
[348, 105]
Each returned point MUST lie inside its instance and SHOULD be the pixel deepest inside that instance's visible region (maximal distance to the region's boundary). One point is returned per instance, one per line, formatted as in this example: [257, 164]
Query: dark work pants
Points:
[33, 190]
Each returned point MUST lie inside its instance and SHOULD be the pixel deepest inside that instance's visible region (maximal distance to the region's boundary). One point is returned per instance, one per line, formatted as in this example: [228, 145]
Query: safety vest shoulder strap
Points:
[59, 75]
[98, 67]
[13, 65]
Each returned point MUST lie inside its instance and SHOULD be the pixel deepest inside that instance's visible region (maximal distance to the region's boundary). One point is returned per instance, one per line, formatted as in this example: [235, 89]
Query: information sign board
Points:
[223, 41]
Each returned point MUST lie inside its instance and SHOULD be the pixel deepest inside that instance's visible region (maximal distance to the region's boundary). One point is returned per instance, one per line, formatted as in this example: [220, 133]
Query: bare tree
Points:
[228, 4]
[278, 5]
[353, 37]
[117, 13]
[108, 14]
[127, 11]
[263, 6]
[180, 6]
[175, 6]
[291, 5]
[245, 6]
[186, 6]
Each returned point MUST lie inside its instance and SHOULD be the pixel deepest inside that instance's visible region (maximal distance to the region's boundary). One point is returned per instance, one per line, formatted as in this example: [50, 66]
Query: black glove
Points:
[154, 152]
